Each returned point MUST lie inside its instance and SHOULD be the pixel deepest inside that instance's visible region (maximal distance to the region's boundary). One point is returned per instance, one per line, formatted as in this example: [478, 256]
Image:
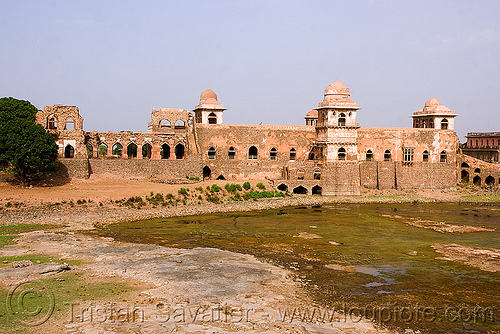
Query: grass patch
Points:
[10, 232]
[36, 257]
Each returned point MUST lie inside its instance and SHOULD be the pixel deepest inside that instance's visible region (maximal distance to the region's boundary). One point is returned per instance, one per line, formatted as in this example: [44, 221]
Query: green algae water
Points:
[364, 259]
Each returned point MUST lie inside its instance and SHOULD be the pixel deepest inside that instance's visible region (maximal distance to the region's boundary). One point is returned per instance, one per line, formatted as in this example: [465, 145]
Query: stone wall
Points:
[78, 168]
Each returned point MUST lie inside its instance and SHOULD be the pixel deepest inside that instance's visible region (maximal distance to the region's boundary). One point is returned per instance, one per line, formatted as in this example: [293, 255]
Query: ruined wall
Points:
[222, 137]
[69, 168]
[171, 169]
[478, 172]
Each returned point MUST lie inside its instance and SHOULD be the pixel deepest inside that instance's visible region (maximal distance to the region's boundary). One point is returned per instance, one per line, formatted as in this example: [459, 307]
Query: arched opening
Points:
[102, 150]
[165, 151]
[490, 181]
[211, 153]
[476, 180]
[342, 154]
[443, 156]
[465, 176]
[220, 177]
[282, 187]
[444, 124]
[70, 124]
[311, 156]
[132, 151]
[300, 190]
[273, 154]
[146, 151]
[317, 175]
[179, 151]
[316, 190]
[341, 119]
[52, 123]
[117, 150]
[90, 150]
[300, 174]
[231, 153]
[212, 118]
[425, 156]
[207, 172]
[293, 154]
[387, 155]
[369, 155]
[464, 165]
[165, 123]
[69, 151]
[477, 170]
[253, 152]
[179, 124]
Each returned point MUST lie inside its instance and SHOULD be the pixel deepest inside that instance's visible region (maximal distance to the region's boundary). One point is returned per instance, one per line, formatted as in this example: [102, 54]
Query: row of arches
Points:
[443, 156]
[429, 123]
[133, 151]
[315, 190]
[52, 123]
[253, 153]
[488, 181]
[165, 124]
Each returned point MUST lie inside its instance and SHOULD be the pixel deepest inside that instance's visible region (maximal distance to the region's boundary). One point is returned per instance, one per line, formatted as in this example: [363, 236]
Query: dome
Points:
[208, 94]
[336, 86]
[312, 113]
[433, 102]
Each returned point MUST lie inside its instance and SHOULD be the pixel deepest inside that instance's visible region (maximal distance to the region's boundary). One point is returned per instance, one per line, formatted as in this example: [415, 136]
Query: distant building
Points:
[483, 145]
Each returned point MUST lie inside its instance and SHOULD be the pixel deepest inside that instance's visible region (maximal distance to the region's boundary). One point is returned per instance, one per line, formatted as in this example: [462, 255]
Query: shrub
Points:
[213, 199]
[183, 192]
[246, 185]
[261, 186]
[199, 188]
[215, 188]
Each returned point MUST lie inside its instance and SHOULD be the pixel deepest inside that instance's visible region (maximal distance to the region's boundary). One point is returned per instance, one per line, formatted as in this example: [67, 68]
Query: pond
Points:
[372, 260]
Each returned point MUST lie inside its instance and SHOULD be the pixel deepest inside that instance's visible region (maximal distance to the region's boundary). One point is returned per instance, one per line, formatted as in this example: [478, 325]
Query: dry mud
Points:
[482, 258]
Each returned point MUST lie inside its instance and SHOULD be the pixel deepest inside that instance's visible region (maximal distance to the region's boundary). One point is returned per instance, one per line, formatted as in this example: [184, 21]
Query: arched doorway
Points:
[253, 152]
[477, 180]
[490, 181]
[300, 190]
[146, 151]
[464, 165]
[179, 151]
[465, 176]
[102, 150]
[220, 177]
[69, 151]
[206, 172]
[165, 151]
[282, 187]
[117, 150]
[316, 190]
[132, 151]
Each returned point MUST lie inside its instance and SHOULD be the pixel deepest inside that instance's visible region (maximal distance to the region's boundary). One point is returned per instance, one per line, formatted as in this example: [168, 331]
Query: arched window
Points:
[211, 153]
[477, 170]
[490, 181]
[231, 153]
[443, 156]
[369, 155]
[273, 154]
[464, 165]
[69, 151]
[293, 154]
[132, 150]
[90, 150]
[102, 150]
[317, 175]
[342, 154]
[212, 118]
[252, 152]
[477, 180]
[165, 151]
[179, 124]
[165, 123]
[300, 174]
[146, 151]
[341, 119]
[425, 156]
[52, 123]
[70, 124]
[117, 150]
[316, 190]
[465, 176]
[387, 155]
[444, 124]
[179, 151]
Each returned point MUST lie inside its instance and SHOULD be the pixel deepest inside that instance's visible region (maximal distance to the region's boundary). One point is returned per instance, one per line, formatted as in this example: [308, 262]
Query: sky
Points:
[268, 61]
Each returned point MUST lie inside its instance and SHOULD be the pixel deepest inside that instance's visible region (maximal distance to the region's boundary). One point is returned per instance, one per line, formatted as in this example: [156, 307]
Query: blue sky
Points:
[268, 61]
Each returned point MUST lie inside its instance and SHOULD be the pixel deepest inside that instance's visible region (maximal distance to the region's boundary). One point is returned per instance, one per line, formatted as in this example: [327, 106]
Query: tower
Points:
[435, 116]
[337, 130]
[209, 111]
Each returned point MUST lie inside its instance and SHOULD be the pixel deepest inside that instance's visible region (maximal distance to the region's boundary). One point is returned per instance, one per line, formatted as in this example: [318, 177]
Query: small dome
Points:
[312, 113]
[208, 94]
[433, 102]
[337, 85]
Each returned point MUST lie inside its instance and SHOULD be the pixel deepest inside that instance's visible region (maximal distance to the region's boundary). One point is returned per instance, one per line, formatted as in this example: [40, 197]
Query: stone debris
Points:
[21, 264]
[306, 235]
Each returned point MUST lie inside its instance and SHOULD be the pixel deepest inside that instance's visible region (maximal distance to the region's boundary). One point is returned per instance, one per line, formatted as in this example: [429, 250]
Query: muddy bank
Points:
[484, 259]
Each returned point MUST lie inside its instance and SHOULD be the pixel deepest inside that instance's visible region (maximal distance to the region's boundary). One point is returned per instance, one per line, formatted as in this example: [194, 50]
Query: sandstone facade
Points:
[332, 154]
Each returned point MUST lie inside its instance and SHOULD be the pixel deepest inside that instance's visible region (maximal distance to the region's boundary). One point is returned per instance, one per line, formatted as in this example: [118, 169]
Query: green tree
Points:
[26, 150]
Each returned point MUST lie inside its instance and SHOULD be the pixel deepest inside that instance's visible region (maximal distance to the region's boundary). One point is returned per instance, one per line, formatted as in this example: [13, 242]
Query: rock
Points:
[313, 226]
[412, 253]
[5, 261]
[335, 243]
[22, 264]
[38, 261]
